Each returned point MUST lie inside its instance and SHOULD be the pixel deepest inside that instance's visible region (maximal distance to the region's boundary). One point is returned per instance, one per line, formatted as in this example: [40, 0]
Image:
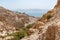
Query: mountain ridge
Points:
[11, 21]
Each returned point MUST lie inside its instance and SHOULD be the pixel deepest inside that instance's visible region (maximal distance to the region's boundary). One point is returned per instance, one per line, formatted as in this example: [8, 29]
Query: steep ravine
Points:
[49, 30]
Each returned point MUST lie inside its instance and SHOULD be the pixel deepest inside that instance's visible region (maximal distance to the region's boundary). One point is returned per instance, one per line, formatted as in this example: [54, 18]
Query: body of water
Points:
[34, 12]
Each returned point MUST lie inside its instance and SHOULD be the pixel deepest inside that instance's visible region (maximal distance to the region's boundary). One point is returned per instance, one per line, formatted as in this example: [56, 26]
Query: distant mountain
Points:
[33, 12]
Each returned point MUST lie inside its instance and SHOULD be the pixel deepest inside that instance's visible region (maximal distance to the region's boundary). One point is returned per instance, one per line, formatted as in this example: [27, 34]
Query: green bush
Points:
[29, 26]
[48, 16]
[39, 19]
[22, 32]
[19, 35]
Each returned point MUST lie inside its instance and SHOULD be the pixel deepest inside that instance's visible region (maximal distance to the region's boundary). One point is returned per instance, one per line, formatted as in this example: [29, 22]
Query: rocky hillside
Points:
[48, 28]
[11, 21]
[51, 12]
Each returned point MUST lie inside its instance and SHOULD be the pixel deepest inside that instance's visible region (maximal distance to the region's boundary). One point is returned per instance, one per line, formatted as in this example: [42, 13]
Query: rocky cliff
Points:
[49, 28]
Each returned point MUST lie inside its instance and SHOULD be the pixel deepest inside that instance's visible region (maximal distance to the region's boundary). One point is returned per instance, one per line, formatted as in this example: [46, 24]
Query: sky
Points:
[28, 4]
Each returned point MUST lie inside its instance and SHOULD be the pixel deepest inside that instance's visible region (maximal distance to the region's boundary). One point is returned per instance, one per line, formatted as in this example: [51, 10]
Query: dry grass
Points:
[50, 33]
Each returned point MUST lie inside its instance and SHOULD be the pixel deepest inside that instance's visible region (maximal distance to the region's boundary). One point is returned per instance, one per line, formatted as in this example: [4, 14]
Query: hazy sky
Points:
[28, 4]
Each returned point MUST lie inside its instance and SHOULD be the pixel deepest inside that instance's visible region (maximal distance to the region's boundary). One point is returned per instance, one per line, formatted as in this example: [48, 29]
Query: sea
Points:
[34, 12]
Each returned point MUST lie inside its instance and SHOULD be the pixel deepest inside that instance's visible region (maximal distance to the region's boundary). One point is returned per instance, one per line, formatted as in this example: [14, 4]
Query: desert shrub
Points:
[22, 32]
[48, 16]
[19, 35]
[39, 19]
[51, 31]
[29, 26]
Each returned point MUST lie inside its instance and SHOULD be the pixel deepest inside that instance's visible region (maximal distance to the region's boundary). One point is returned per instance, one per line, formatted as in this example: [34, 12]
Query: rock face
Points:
[49, 30]
[58, 3]
[11, 21]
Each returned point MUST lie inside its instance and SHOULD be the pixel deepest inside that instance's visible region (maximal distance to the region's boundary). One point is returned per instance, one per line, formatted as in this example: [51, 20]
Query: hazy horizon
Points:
[34, 7]
[28, 4]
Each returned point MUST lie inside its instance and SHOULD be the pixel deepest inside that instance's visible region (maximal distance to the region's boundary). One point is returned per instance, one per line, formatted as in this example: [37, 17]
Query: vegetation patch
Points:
[19, 35]
[22, 33]
[48, 16]
[30, 25]
[39, 19]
